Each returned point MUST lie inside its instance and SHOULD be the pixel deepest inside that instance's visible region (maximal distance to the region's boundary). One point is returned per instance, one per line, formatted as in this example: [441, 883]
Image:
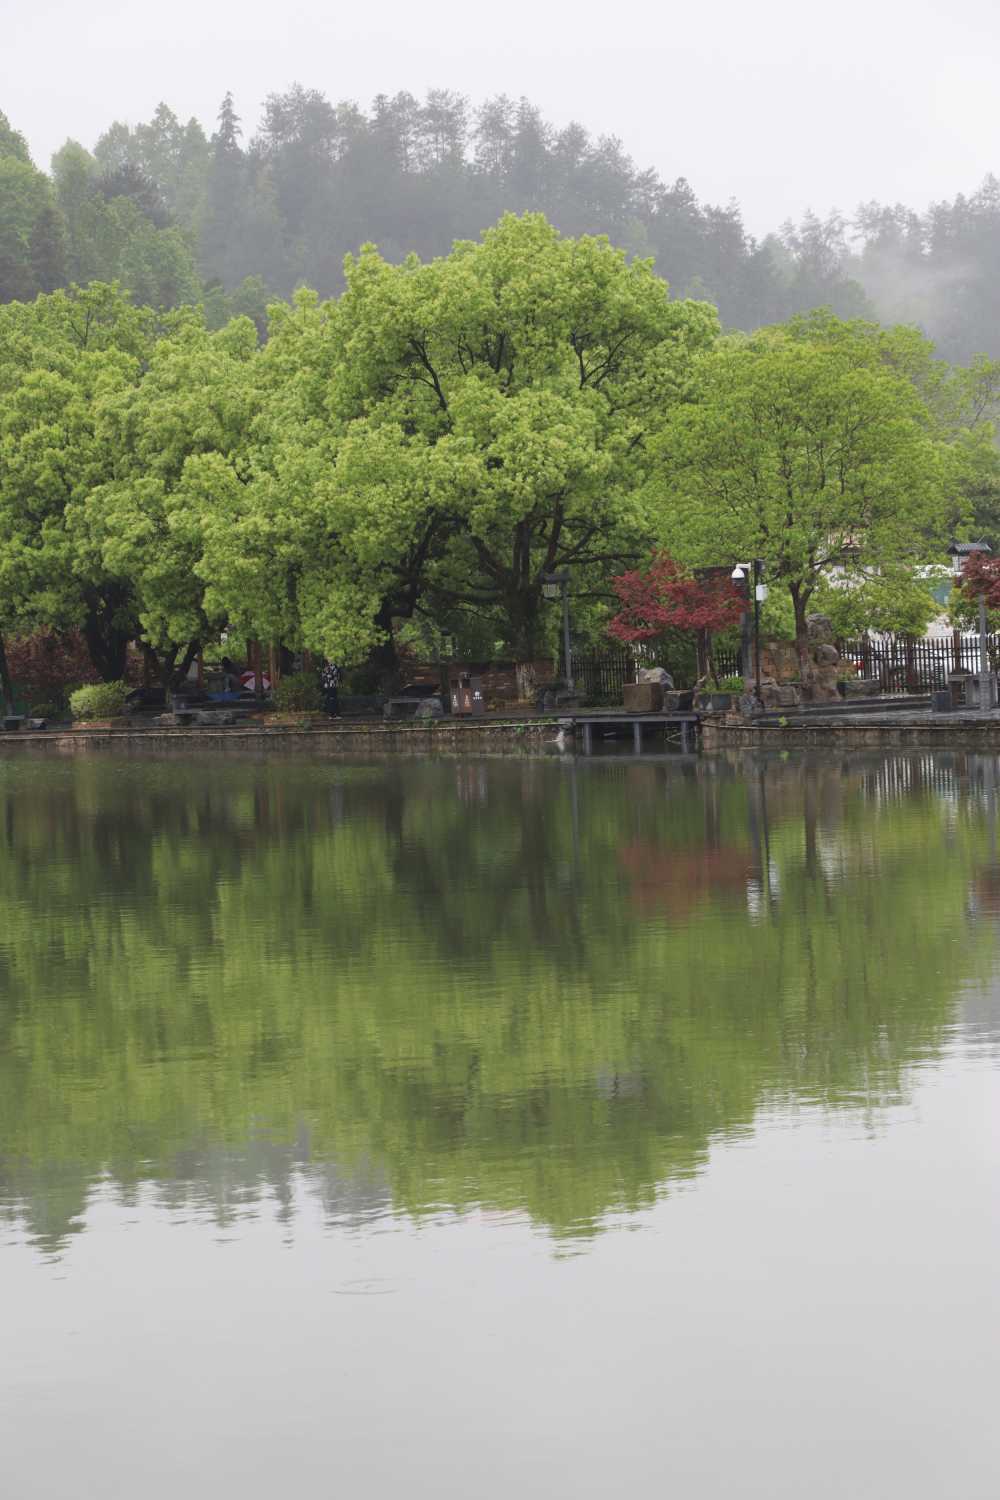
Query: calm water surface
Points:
[500, 1127]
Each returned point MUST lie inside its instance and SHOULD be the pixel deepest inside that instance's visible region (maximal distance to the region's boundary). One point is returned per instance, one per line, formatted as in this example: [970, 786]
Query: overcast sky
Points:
[781, 104]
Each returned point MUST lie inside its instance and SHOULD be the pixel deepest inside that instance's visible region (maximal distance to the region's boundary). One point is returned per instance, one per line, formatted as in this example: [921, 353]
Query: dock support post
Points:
[685, 736]
[587, 738]
[637, 736]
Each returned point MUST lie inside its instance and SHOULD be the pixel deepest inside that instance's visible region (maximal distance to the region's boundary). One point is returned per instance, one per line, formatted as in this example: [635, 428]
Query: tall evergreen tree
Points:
[47, 250]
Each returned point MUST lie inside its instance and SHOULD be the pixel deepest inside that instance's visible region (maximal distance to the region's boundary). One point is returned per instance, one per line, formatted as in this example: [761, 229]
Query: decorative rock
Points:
[429, 708]
[781, 694]
[779, 660]
[826, 656]
[820, 628]
[823, 686]
[656, 674]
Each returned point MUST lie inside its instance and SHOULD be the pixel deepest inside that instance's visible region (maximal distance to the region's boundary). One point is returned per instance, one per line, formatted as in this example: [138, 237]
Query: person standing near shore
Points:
[329, 680]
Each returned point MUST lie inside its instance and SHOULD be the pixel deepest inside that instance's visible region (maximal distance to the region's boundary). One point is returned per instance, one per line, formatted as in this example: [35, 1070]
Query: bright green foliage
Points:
[888, 599]
[110, 444]
[98, 700]
[61, 358]
[449, 432]
[806, 452]
[177, 437]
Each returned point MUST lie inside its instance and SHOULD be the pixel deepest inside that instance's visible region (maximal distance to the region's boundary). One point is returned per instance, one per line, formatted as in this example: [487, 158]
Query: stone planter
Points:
[116, 723]
[716, 703]
[643, 697]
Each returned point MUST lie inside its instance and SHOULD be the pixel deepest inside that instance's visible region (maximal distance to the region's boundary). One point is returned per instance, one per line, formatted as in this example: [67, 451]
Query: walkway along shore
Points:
[581, 732]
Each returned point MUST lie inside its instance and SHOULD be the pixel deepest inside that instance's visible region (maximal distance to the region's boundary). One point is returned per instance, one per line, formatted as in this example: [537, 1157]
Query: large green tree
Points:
[178, 438]
[806, 451]
[461, 428]
[61, 358]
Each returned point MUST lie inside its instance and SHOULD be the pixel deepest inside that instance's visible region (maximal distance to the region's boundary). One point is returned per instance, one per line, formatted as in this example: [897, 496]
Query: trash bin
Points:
[467, 696]
[958, 687]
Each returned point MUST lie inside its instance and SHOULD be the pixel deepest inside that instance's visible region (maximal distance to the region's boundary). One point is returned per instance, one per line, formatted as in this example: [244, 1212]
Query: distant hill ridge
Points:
[178, 215]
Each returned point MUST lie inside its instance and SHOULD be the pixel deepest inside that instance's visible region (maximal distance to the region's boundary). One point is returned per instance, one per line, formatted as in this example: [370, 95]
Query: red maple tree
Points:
[981, 575]
[666, 596]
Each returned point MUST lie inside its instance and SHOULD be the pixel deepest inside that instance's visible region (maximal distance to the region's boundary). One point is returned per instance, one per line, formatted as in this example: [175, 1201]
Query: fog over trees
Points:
[231, 218]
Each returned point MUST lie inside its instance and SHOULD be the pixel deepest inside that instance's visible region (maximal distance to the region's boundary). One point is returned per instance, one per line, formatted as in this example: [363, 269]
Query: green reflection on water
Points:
[533, 985]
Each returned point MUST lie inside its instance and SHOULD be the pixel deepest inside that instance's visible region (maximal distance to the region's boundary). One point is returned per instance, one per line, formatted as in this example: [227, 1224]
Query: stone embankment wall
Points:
[942, 734]
[409, 736]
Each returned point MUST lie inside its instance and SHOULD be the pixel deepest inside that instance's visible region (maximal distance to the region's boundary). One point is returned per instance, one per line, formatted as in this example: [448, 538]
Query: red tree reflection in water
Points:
[677, 880]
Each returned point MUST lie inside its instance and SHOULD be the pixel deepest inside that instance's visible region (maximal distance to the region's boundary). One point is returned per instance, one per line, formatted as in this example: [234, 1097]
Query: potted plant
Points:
[723, 697]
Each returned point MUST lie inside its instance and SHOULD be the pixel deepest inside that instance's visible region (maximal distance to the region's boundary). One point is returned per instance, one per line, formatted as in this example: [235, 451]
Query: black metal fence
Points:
[898, 663]
[603, 674]
[910, 664]
[728, 661]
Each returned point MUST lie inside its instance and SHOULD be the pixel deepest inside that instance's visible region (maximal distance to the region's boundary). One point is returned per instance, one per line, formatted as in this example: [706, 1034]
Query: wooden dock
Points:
[615, 718]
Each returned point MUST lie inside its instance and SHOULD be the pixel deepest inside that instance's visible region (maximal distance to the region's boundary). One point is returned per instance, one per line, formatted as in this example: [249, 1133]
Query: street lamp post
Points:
[552, 585]
[739, 573]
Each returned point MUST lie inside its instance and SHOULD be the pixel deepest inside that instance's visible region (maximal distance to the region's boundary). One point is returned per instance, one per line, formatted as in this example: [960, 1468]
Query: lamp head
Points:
[738, 573]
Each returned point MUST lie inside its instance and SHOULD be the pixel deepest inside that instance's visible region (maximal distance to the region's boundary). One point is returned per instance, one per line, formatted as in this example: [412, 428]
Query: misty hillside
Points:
[178, 215]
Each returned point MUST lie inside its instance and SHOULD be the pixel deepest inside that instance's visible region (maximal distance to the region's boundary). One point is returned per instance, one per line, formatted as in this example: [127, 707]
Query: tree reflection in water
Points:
[535, 985]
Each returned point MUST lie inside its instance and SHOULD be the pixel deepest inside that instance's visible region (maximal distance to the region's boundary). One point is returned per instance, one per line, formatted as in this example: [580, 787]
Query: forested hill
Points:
[178, 215]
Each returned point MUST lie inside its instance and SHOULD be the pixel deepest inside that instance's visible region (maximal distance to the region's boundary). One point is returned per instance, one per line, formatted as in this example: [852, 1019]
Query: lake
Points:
[522, 1126]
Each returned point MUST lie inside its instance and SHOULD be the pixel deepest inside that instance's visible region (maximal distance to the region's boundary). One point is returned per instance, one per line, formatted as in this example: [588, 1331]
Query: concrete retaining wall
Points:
[969, 733]
[347, 739]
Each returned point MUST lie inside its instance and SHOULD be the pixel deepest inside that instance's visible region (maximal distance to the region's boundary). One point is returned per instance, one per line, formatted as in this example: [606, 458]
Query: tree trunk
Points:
[703, 655]
[523, 611]
[107, 640]
[526, 681]
[169, 674]
[383, 659]
[799, 604]
[6, 686]
[191, 650]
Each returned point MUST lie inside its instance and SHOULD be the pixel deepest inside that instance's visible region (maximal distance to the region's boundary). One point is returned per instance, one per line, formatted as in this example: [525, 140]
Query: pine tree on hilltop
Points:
[47, 250]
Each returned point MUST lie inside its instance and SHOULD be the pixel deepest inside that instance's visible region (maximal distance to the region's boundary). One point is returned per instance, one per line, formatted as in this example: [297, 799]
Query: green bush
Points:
[99, 700]
[730, 684]
[299, 692]
[44, 711]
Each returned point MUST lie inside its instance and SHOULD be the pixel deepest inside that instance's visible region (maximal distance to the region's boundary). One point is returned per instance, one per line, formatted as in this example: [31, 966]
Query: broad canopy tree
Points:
[808, 452]
[179, 439]
[61, 357]
[109, 420]
[467, 426]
